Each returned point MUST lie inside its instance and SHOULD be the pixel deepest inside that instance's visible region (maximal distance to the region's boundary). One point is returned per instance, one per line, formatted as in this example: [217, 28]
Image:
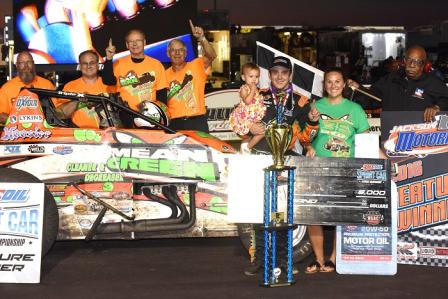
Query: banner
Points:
[21, 217]
[420, 151]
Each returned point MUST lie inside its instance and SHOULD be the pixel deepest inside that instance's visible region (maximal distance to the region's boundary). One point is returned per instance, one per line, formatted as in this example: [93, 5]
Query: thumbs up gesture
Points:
[110, 50]
[313, 115]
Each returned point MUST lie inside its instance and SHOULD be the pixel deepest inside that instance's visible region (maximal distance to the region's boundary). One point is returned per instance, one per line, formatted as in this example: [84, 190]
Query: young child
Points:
[251, 108]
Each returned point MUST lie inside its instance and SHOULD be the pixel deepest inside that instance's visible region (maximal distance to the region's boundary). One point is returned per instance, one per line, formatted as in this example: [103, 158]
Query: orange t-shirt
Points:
[11, 89]
[186, 89]
[85, 117]
[138, 82]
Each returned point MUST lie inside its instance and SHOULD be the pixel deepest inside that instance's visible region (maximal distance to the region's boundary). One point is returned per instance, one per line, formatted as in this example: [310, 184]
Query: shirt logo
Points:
[418, 93]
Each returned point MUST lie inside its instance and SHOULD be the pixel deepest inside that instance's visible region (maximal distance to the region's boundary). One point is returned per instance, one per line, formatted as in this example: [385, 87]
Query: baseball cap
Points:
[282, 62]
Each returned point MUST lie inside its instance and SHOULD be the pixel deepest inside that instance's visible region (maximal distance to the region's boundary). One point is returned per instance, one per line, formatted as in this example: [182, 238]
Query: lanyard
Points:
[280, 104]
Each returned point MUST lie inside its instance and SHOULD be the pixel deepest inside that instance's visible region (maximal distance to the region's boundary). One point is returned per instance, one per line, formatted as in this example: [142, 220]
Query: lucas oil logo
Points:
[14, 195]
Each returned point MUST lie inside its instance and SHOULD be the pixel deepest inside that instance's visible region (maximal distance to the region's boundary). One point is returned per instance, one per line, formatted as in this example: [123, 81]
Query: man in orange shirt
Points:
[137, 77]
[82, 115]
[186, 99]
[26, 77]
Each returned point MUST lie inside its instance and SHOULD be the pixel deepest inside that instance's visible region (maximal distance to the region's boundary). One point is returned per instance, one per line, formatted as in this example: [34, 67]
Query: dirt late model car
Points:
[125, 183]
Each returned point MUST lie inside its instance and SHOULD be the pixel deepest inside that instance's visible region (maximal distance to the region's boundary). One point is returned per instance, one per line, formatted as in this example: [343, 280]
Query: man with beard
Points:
[186, 99]
[409, 89]
[26, 77]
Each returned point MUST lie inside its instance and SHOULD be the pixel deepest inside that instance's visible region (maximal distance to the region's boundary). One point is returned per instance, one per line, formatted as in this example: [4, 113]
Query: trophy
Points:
[278, 138]
[275, 225]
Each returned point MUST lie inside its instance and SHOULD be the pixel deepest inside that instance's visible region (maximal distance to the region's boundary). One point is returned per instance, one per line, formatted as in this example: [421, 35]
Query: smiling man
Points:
[137, 77]
[186, 99]
[82, 115]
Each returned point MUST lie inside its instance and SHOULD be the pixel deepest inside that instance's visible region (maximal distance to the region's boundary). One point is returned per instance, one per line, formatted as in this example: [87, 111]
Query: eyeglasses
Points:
[134, 42]
[89, 64]
[23, 63]
[177, 50]
[412, 61]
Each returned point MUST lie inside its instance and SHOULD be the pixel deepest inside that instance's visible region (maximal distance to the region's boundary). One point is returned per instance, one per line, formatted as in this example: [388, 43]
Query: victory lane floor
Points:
[200, 268]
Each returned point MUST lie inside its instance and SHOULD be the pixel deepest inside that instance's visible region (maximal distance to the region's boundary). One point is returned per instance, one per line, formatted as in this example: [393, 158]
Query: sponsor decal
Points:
[418, 93]
[12, 242]
[13, 119]
[373, 176]
[36, 149]
[63, 150]
[33, 118]
[368, 167]
[373, 217]
[13, 133]
[26, 101]
[419, 139]
[14, 195]
[11, 149]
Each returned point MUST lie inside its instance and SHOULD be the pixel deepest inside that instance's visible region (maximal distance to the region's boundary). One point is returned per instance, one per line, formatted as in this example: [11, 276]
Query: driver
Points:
[81, 113]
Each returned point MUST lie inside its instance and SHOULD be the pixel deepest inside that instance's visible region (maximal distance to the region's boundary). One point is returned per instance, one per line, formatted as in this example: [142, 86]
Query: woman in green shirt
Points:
[340, 119]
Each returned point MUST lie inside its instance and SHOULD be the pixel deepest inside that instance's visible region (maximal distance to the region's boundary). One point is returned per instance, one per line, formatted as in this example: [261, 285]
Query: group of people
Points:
[137, 77]
[327, 127]
[324, 128]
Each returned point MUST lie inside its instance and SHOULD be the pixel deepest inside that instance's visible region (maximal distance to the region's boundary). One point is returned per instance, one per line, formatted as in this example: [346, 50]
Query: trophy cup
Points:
[278, 137]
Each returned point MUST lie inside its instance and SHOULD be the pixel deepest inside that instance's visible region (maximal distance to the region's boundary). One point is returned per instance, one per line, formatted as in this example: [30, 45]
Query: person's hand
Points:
[257, 128]
[197, 32]
[313, 115]
[352, 84]
[252, 86]
[430, 112]
[110, 50]
[310, 152]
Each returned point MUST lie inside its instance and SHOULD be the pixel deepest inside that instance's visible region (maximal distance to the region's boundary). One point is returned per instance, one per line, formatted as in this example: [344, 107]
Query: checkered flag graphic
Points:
[307, 80]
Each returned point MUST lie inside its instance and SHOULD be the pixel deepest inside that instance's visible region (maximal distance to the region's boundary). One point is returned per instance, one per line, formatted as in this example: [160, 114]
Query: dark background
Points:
[408, 13]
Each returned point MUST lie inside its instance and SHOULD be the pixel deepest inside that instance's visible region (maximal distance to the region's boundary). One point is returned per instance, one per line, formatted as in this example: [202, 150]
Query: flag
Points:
[306, 80]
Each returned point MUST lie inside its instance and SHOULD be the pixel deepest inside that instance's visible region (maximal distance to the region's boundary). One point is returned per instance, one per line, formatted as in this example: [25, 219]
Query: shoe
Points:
[244, 148]
[252, 269]
[313, 268]
[328, 267]
[295, 270]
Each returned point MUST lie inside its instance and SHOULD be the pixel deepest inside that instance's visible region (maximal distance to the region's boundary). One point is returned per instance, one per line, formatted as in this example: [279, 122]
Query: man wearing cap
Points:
[282, 106]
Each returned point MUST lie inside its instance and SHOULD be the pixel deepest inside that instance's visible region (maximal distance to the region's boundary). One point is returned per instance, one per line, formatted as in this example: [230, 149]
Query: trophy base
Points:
[279, 167]
[279, 227]
[278, 284]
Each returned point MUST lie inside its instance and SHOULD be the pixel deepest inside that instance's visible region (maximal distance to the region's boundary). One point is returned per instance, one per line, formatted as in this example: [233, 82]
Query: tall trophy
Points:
[277, 268]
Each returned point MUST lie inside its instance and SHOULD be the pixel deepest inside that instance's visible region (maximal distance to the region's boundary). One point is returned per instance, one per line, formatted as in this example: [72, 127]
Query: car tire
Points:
[301, 244]
[51, 216]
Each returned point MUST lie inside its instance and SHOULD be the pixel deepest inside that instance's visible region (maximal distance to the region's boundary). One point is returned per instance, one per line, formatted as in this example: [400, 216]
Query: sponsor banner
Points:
[420, 152]
[21, 218]
[366, 243]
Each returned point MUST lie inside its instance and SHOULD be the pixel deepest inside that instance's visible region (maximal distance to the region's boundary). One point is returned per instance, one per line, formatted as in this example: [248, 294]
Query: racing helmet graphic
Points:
[156, 110]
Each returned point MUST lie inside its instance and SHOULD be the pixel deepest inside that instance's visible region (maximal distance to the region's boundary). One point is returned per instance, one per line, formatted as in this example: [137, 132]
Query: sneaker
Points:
[252, 269]
[244, 149]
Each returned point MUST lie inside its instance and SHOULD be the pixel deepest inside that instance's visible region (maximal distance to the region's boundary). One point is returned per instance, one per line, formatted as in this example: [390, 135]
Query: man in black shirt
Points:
[285, 106]
[410, 89]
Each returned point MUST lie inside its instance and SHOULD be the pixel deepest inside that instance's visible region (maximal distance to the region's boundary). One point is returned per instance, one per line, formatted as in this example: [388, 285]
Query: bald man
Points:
[410, 88]
[186, 99]
[26, 77]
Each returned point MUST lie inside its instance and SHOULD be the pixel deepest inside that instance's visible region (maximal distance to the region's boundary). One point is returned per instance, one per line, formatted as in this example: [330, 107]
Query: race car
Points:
[118, 182]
